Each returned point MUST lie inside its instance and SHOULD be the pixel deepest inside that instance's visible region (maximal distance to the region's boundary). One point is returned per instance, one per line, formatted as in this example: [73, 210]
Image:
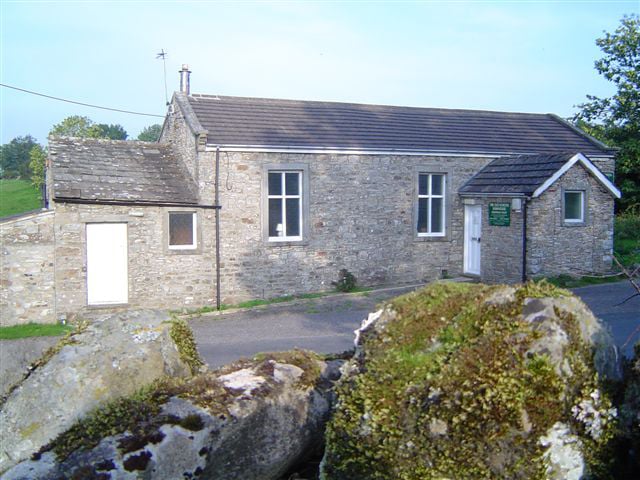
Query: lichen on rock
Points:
[253, 419]
[470, 382]
[107, 359]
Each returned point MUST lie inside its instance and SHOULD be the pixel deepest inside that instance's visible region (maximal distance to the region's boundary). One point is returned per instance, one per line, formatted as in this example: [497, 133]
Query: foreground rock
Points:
[251, 420]
[630, 419]
[16, 356]
[110, 358]
[463, 381]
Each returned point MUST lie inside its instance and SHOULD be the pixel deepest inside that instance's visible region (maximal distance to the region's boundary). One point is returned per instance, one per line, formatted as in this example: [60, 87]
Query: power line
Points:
[80, 103]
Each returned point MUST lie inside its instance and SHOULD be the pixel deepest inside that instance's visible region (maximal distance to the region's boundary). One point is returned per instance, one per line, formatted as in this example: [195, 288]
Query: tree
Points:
[114, 132]
[616, 120]
[14, 157]
[150, 133]
[73, 126]
[84, 127]
[37, 163]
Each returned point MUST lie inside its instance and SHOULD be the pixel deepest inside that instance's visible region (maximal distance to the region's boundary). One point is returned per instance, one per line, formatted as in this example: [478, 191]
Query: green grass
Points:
[567, 281]
[17, 196]
[626, 240]
[364, 291]
[33, 330]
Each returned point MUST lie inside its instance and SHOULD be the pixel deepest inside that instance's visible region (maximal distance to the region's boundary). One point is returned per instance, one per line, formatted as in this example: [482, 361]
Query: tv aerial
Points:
[163, 55]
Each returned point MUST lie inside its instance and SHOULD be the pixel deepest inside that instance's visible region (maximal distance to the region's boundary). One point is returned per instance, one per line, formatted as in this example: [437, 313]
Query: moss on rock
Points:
[182, 336]
[141, 414]
[449, 386]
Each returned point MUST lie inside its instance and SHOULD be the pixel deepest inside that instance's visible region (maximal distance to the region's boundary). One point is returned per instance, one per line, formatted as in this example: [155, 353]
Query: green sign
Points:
[500, 214]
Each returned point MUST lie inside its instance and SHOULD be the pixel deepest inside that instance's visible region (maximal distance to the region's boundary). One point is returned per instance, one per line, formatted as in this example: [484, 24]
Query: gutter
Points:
[354, 151]
[363, 151]
[132, 203]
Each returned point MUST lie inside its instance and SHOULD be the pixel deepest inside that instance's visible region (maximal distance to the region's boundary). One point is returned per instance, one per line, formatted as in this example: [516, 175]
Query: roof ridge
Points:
[195, 96]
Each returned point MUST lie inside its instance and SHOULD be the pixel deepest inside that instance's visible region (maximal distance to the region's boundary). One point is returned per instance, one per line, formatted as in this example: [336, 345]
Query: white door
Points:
[472, 237]
[107, 273]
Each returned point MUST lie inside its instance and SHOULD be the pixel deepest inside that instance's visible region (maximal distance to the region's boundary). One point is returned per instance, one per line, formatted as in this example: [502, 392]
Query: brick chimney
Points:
[185, 86]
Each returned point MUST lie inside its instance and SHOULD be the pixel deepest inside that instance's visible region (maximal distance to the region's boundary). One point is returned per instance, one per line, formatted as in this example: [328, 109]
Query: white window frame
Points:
[284, 197]
[429, 196]
[192, 246]
[582, 207]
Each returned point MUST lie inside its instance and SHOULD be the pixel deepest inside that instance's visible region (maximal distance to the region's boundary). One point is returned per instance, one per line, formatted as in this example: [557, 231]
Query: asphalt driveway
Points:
[326, 325]
[604, 302]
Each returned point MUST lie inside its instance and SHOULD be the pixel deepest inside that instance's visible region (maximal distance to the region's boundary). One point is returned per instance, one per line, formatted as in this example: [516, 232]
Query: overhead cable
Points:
[80, 103]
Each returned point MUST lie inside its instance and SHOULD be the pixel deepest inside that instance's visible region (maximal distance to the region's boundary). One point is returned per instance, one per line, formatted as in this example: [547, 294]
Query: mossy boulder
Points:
[254, 419]
[109, 358]
[629, 441]
[463, 381]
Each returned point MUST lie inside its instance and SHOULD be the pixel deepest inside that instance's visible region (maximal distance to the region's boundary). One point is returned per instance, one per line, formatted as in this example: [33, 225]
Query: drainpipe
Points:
[217, 202]
[524, 239]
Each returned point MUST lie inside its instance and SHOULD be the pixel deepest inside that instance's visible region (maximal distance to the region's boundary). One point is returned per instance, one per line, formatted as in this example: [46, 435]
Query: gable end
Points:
[591, 168]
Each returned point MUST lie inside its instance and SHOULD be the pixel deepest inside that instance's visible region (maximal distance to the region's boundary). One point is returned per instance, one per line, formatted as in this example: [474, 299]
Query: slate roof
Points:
[521, 174]
[246, 121]
[118, 171]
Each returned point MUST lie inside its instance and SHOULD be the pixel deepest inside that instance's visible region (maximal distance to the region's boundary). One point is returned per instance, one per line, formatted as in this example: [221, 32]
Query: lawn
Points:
[33, 330]
[17, 196]
[626, 242]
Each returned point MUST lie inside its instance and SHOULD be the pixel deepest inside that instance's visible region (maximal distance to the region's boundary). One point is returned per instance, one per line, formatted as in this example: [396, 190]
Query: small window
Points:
[431, 205]
[182, 230]
[285, 206]
[573, 207]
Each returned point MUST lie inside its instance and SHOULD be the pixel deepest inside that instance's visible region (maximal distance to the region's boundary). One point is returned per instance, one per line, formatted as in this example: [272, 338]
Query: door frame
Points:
[124, 298]
[477, 210]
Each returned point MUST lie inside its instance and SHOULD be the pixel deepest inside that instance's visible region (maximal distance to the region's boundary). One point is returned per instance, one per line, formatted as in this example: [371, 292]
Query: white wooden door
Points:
[107, 272]
[472, 238]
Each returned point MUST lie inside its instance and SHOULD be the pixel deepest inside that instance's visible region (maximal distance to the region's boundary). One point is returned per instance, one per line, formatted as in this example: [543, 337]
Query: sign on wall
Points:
[500, 214]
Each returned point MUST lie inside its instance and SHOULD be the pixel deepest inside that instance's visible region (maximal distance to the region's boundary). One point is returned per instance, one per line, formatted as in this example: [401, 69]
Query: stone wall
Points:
[555, 247]
[177, 133]
[361, 218]
[158, 277]
[27, 269]
[501, 246]
[188, 147]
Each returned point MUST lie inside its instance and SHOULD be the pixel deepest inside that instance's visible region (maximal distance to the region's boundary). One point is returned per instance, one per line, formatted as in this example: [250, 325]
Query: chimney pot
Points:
[185, 86]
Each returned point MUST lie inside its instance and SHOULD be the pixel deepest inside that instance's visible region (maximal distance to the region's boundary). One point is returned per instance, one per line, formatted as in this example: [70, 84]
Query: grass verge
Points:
[287, 298]
[34, 330]
[17, 196]
[567, 281]
[626, 240]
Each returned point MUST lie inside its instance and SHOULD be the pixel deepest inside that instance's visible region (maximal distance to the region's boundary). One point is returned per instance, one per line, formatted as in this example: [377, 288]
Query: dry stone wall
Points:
[360, 218]
[501, 246]
[27, 269]
[556, 247]
[177, 133]
[158, 277]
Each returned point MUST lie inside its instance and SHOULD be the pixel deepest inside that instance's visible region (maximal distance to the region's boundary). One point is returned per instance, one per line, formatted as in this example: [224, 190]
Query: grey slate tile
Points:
[292, 123]
[111, 170]
[520, 174]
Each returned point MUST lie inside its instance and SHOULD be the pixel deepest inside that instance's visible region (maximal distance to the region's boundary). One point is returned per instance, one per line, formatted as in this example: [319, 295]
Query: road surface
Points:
[326, 325]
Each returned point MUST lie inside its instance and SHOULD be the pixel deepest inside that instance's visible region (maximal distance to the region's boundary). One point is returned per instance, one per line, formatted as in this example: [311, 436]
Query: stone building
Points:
[246, 198]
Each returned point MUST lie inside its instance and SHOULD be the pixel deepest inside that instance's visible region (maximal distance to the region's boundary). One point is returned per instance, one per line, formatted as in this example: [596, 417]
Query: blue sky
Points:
[499, 55]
